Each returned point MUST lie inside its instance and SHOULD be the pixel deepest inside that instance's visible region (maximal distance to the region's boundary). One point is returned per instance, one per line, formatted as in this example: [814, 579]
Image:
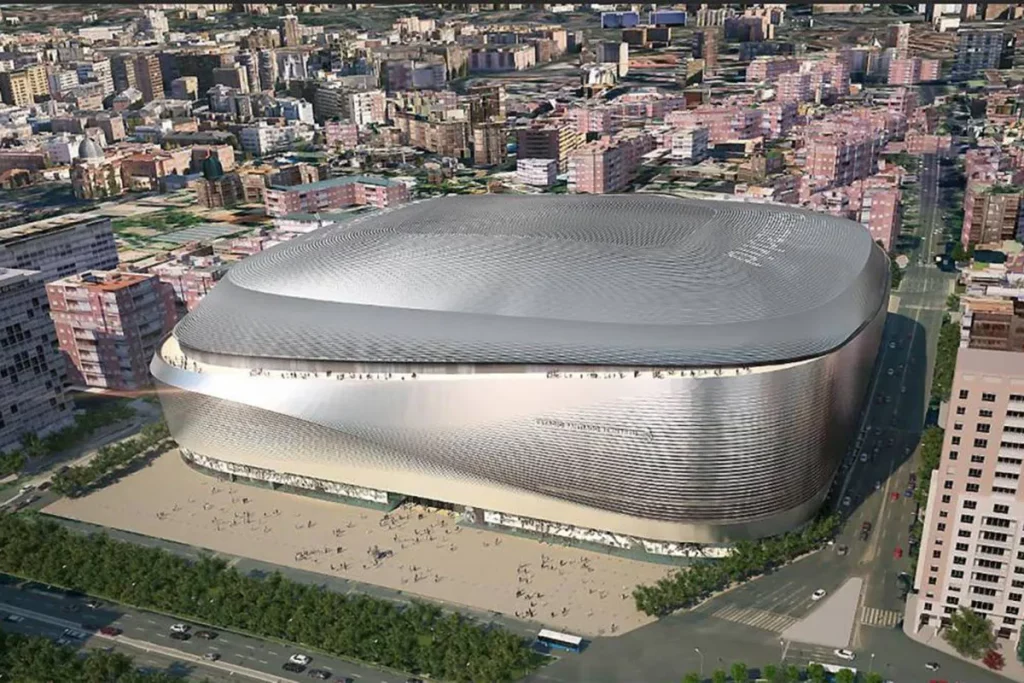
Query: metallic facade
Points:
[487, 398]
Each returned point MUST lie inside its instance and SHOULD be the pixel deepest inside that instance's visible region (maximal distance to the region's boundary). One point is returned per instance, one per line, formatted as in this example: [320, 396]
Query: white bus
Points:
[833, 668]
[560, 641]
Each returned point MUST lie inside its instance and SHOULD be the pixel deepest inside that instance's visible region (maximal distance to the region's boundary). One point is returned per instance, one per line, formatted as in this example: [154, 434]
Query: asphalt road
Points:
[264, 658]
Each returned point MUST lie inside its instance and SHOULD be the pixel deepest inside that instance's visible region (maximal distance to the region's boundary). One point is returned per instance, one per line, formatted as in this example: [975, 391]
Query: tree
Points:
[994, 660]
[740, 673]
[845, 676]
[959, 253]
[969, 633]
[792, 673]
[1020, 650]
[691, 678]
[771, 672]
[719, 676]
[873, 677]
[816, 673]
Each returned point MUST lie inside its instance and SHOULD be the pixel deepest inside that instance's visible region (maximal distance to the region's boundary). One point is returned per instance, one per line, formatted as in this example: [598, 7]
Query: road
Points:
[258, 659]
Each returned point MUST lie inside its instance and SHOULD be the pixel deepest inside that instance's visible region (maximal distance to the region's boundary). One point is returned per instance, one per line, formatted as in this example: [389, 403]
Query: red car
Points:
[110, 631]
[898, 553]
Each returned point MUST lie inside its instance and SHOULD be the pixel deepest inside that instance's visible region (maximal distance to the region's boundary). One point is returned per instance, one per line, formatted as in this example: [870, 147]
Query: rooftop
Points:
[25, 230]
[337, 182]
[103, 280]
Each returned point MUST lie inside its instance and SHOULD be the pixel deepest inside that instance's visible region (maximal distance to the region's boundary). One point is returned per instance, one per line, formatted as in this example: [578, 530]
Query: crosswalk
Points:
[756, 618]
[883, 618]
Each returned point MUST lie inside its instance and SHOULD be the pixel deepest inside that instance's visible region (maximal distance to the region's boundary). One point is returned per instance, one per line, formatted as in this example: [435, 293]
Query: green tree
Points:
[740, 673]
[873, 677]
[931, 455]
[771, 672]
[846, 676]
[1020, 650]
[945, 359]
[792, 673]
[719, 676]
[691, 678]
[969, 633]
[816, 673]
[953, 302]
[959, 253]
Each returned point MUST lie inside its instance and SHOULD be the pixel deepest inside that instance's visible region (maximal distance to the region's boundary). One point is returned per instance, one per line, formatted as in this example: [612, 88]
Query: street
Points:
[48, 613]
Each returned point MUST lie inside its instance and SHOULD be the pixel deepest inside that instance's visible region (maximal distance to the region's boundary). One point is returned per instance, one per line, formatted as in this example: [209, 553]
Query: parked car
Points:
[180, 636]
[211, 656]
[14, 618]
[92, 604]
[319, 674]
[292, 667]
[932, 666]
[206, 635]
[111, 631]
[180, 628]
[300, 659]
[844, 654]
[818, 594]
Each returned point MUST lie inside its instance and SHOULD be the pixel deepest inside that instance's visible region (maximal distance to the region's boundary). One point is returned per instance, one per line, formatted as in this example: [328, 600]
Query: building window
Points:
[978, 459]
[974, 473]
[963, 394]
[967, 519]
[970, 505]
[932, 581]
[936, 554]
[948, 484]
[941, 526]
[943, 514]
[984, 427]
[962, 547]
[1009, 620]
[958, 426]
[973, 488]
[960, 560]
[953, 455]
[981, 443]
[961, 410]
[964, 533]
[955, 441]
[1010, 609]
[984, 413]
[956, 574]
[946, 498]
[952, 600]
[988, 398]
[1001, 509]
[1014, 597]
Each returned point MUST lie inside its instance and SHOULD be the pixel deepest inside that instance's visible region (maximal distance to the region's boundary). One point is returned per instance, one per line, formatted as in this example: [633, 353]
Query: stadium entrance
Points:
[439, 504]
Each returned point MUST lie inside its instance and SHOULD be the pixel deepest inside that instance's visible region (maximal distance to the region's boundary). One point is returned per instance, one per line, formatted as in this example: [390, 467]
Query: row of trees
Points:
[773, 673]
[419, 638]
[691, 585]
[945, 360]
[74, 481]
[87, 423]
[33, 659]
[931, 453]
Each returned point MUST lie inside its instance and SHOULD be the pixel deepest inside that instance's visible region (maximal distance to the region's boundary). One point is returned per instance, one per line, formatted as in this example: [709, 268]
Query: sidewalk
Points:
[930, 637]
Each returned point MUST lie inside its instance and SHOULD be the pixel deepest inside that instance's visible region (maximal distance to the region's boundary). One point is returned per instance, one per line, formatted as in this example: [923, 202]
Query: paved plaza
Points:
[413, 549]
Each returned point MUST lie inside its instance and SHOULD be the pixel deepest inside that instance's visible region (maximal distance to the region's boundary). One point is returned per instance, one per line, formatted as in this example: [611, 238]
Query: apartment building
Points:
[605, 120]
[15, 88]
[705, 46]
[724, 122]
[410, 74]
[912, 71]
[148, 77]
[495, 58]
[992, 213]
[897, 36]
[978, 49]
[537, 172]
[192, 281]
[971, 550]
[60, 246]
[549, 142]
[365, 107]
[32, 398]
[690, 145]
[609, 164]
[336, 193]
[768, 69]
[341, 134]
[109, 324]
[488, 144]
[839, 159]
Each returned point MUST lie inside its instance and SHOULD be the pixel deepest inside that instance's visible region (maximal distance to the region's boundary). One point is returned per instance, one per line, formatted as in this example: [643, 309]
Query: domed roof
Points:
[88, 149]
[212, 168]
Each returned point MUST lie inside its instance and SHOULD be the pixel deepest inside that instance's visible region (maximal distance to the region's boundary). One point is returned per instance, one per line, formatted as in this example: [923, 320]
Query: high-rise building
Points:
[267, 66]
[148, 77]
[969, 548]
[109, 324]
[898, 37]
[185, 88]
[97, 71]
[978, 49]
[913, 71]
[59, 246]
[609, 164]
[992, 213]
[122, 69]
[491, 99]
[841, 159]
[488, 144]
[15, 88]
[236, 77]
[705, 46]
[291, 32]
[32, 398]
[549, 142]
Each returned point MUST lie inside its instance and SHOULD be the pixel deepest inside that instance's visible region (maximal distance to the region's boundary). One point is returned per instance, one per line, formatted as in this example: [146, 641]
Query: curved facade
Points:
[665, 369]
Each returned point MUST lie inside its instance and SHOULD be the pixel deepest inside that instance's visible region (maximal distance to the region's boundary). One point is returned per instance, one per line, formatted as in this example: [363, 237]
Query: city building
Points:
[185, 88]
[537, 172]
[912, 71]
[898, 37]
[59, 246]
[968, 555]
[690, 145]
[978, 49]
[148, 77]
[549, 142]
[614, 53]
[32, 398]
[365, 107]
[291, 31]
[488, 144]
[109, 324]
[840, 158]
[705, 46]
[217, 189]
[992, 214]
[336, 193]
[515, 395]
[492, 58]
[609, 164]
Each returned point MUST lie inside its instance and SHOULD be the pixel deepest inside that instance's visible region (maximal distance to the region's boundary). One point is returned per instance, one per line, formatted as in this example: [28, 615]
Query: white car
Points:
[303, 660]
[863, 457]
[890, 372]
[932, 666]
[844, 654]
[818, 594]
[892, 345]
[846, 502]
[180, 628]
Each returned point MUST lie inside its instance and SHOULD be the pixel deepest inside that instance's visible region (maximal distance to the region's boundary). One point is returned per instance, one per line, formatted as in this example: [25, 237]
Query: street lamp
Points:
[871, 668]
[782, 644]
[697, 650]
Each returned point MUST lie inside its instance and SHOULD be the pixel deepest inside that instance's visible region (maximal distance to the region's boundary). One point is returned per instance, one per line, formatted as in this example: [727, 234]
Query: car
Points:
[180, 636]
[878, 485]
[211, 656]
[180, 628]
[26, 488]
[909, 493]
[77, 635]
[292, 667]
[890, 372]
[300, 659]
[846, 502]
[892, 345]
[863, 457]
[110, 631]
[903, 390]
[44, 486]
[14, 618]
[92, 604]
[319, 674]
[818, 594]
[63, 641]
[844, 654]
[898, 553]
[206, 635]
[888, 400]
[932, 666]
[895, 495]
[842, 549]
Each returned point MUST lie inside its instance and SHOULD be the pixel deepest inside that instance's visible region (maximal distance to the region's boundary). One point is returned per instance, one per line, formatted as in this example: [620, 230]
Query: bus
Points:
[833, 668]
[559, 641]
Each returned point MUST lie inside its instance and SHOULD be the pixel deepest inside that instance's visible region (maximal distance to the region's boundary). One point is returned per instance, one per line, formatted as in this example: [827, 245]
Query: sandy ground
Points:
[412, 549]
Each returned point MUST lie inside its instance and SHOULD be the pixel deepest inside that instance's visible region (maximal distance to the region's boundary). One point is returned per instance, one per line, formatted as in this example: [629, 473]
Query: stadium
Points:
[633, 370]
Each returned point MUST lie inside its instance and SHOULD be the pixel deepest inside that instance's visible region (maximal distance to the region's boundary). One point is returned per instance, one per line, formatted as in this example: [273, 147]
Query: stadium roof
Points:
[634, 279]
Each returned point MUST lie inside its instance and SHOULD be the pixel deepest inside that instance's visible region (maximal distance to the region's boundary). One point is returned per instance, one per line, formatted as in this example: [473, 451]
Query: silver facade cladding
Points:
[708, 456]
